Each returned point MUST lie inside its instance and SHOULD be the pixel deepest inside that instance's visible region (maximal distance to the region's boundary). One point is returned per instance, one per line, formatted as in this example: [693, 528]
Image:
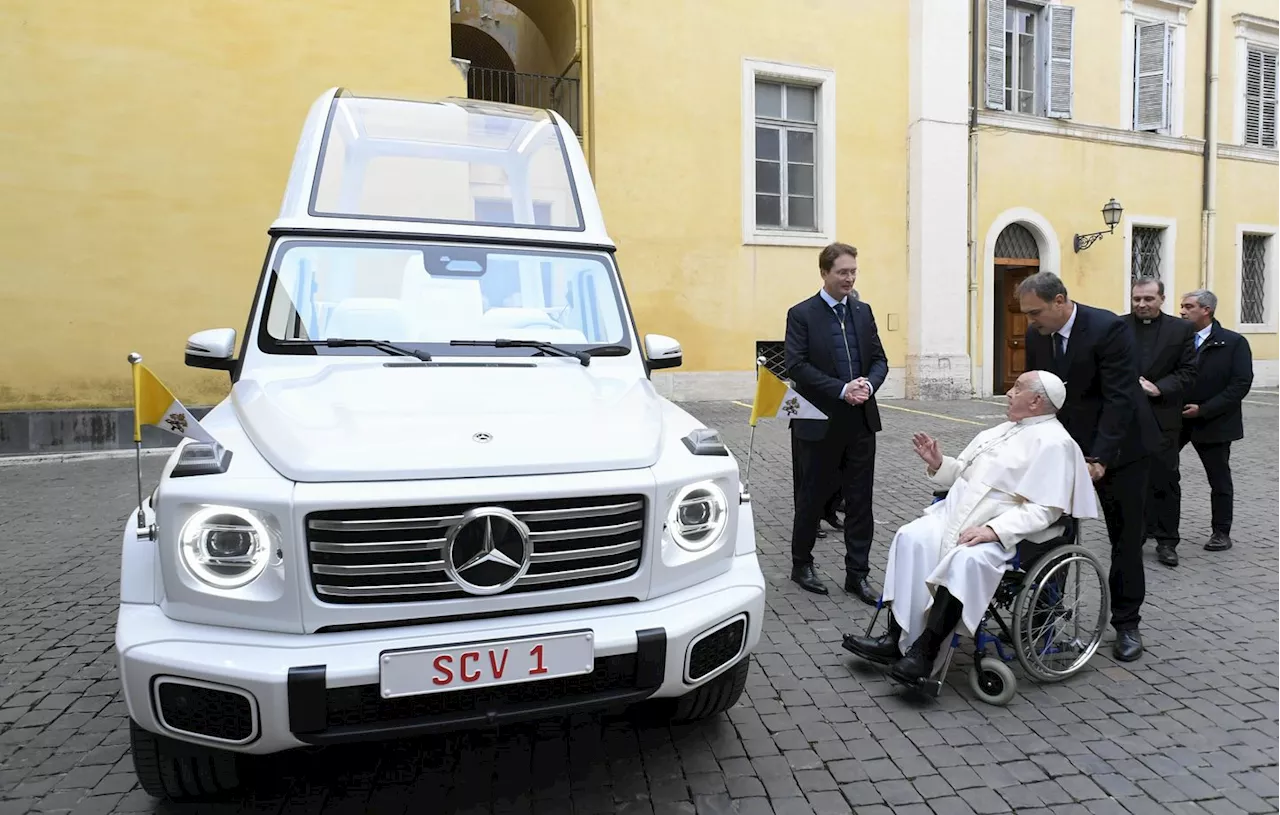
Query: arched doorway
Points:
[1017, 256]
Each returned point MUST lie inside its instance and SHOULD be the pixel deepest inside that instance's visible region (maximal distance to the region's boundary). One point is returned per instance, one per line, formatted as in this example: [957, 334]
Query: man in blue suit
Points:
[834, 356]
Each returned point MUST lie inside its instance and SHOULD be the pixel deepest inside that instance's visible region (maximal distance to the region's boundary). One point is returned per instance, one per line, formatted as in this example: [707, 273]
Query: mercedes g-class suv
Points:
[445, 493]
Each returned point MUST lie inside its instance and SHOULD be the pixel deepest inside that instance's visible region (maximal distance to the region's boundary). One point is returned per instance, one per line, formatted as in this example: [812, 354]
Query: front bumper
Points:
[296, 689]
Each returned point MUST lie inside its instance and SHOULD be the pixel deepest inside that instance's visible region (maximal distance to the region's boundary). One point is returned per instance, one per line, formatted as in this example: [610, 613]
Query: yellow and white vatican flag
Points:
[775, 398]
[155, 405]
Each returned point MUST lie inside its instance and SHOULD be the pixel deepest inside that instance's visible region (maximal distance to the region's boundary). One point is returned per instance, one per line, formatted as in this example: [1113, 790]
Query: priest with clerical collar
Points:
[1012, 483]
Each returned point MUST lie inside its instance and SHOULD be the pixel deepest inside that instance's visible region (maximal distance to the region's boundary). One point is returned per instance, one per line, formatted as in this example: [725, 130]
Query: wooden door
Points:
[1012, 342]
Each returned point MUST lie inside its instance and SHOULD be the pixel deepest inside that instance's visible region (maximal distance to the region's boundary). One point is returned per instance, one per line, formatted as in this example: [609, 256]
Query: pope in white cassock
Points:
[1012, 483]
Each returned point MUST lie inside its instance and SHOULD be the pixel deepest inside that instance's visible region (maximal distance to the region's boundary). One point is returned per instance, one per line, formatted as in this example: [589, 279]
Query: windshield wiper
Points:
[608, 350]
[545, 347]
[381, 345]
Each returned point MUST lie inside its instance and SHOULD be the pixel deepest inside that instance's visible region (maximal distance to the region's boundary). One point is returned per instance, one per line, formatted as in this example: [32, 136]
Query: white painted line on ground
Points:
[72, 458]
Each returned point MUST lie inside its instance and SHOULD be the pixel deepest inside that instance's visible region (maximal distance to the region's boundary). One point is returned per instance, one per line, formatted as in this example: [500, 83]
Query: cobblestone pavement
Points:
[1190, 728]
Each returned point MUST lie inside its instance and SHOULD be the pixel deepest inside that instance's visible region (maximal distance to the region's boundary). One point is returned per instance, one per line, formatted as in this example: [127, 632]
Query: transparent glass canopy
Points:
[460, 161]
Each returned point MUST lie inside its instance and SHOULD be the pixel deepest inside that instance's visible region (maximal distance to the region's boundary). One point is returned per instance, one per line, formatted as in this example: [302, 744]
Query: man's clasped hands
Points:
[859, 391]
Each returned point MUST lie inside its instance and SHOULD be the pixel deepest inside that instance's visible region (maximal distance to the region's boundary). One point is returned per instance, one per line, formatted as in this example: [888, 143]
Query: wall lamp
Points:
[1110, 216]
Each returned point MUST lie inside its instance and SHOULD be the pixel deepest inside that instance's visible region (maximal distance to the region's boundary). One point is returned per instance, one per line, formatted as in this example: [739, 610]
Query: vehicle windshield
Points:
[427, 295]
[418, 161]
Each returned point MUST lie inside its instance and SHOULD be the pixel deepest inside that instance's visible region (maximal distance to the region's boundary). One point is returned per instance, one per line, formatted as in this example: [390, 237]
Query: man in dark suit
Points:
[1212, 418]
[834, 356]
[1106, 412]
[1166, 370]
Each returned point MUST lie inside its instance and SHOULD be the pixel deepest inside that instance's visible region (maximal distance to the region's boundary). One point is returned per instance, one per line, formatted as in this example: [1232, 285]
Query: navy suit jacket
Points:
[810, 360]
[1224, 375]
[1106, 411]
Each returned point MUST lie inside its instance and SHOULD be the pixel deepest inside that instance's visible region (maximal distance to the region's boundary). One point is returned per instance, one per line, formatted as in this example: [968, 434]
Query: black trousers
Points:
[834, 504]
[1216, 458]
[850, 462]
[1122, 493]
[1164, 498]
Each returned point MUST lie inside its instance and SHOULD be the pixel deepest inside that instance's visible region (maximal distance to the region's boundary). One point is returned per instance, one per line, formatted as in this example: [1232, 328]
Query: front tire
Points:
[177, 771]
[713, 698]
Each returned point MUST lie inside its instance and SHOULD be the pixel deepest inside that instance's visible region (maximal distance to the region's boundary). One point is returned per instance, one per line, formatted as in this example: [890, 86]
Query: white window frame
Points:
[1044, 68]
[1173, 12]
[1263, 34]
[1168, 255]
[1269, 284]
[824, 81]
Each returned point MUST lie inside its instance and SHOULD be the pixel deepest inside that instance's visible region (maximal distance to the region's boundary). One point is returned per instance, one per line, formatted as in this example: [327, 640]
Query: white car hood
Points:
[368, 422]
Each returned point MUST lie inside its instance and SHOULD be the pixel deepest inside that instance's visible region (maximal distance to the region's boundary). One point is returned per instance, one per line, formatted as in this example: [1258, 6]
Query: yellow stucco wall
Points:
[1248, 193]
[668, 156]
[144, 153]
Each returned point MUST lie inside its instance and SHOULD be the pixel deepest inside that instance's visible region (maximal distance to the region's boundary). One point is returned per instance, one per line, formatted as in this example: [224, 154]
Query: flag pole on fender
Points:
[751, 445]
[134, 359]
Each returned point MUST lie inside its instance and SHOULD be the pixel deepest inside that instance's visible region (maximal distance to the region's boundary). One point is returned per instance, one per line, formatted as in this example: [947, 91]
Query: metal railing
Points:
[533, 90]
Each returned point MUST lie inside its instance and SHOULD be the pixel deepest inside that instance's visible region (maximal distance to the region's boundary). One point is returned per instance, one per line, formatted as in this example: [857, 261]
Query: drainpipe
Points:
[586, 87]
[974, 16]
[1208, 215]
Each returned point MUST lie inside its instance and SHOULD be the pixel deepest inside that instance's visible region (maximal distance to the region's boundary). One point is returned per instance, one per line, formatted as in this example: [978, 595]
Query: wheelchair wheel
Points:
[1060, 613]
[992, 681]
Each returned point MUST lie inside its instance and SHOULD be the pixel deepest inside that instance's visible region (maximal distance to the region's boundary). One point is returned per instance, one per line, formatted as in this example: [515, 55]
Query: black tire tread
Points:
[174, 770]
[715, 697]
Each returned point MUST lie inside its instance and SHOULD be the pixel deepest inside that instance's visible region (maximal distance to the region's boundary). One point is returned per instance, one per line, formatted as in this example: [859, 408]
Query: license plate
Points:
[478, 665]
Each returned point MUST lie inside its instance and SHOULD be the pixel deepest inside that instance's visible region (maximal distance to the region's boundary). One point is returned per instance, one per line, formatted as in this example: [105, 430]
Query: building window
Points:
[1152, 76]
[1029, 54]
[788, 155]
[1253, 279]
[1153, 64]
[1260, 98]
[1147, 245]
[1256, 278]
[1020, 58]
[1150, 241]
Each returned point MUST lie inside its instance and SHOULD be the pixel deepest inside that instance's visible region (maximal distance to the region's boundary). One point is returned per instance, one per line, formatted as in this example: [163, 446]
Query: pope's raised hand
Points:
[927, 448]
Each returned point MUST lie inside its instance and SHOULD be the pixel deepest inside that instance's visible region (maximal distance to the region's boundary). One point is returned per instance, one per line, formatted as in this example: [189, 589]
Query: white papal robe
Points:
[1018, 478]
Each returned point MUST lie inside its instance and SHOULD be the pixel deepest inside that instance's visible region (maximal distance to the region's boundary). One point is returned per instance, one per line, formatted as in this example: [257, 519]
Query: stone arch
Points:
[1049, 254]
[480, 48]
[558, 22]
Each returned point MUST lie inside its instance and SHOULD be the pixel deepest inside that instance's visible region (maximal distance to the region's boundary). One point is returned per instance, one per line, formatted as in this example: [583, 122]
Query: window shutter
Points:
[1061, 51]
[1260, 99]
[1150, 76]
[995, 54]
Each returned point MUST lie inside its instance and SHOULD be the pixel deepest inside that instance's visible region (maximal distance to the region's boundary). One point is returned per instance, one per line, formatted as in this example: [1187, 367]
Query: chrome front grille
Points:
[396, 555]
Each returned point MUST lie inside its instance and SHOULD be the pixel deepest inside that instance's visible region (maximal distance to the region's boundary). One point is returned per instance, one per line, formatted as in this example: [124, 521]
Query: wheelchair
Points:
[1048, 633]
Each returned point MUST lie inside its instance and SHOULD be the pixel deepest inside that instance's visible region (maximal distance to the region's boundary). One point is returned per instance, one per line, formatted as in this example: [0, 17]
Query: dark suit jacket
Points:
[1224, 376]
[1106, 411]
[810, 360]
[1172, 367]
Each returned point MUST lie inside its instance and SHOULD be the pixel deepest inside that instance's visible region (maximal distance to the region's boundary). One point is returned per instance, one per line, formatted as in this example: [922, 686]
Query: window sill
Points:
[1248, 152]
[784, 238]
[1069, 129]
[1261, 328]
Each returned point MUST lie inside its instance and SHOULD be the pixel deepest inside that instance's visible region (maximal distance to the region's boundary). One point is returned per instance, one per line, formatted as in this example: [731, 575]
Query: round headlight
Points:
[698, 516]
[224, 546]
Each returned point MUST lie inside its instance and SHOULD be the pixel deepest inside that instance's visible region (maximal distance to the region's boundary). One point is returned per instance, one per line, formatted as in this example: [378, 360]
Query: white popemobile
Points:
[446, 494]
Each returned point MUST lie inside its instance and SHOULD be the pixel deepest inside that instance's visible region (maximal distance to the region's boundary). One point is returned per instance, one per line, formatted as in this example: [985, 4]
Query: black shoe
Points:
[861, 588]
[808, 580]
[822, 533]
[1166, 554]
[834, 521]
[1128, 646]
[917, 664]
[882, 649]
[1218, 542]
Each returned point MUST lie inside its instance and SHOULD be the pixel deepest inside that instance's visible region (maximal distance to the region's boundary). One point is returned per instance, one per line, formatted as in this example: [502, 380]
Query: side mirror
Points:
[662, 351]
[212, 349]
